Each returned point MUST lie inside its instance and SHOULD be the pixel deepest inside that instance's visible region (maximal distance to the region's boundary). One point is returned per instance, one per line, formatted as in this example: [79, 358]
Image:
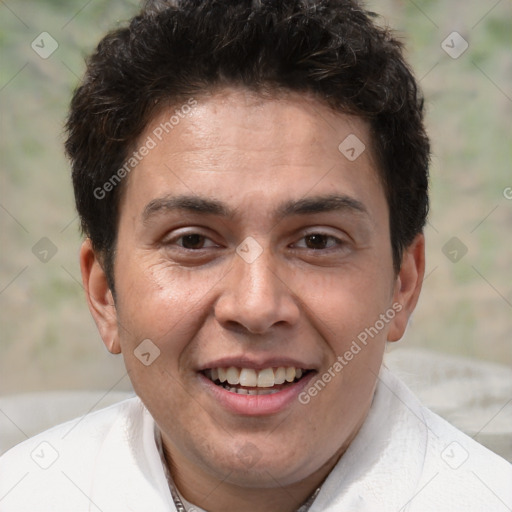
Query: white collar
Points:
[363, 479]
[373, 474]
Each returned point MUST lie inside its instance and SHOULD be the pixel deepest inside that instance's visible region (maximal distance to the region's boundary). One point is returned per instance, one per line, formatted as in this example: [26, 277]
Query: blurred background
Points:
[48, 339]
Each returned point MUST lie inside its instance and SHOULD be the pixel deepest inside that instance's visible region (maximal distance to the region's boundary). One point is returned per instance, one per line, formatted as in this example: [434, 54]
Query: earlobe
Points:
[99, 297]
[408, 286]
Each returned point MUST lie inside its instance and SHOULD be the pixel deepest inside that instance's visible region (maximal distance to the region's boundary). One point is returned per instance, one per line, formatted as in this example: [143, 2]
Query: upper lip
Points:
[256, 363]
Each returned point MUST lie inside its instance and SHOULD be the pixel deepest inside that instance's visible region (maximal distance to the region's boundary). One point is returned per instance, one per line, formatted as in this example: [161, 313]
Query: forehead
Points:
[236, 142]
[243, 118]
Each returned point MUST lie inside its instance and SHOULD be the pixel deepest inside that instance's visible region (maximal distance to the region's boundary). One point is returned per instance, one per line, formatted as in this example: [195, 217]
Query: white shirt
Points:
[404, 458]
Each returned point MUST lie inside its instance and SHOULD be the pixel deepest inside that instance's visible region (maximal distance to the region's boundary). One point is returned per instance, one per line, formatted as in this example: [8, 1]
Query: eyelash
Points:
[337, 241]
[204, 237]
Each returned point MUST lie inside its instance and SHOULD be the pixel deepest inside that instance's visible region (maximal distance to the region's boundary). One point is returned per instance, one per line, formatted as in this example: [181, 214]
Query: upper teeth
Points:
[249, 377]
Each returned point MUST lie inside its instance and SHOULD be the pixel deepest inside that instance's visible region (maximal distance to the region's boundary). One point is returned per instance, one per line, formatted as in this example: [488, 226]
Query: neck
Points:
[213, 495]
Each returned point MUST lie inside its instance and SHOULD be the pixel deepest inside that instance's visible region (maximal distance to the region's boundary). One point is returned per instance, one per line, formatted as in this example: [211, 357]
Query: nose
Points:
[255, 298]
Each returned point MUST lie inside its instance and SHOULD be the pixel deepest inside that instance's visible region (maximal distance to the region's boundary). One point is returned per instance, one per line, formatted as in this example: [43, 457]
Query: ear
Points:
[408, 286]
[99, 297]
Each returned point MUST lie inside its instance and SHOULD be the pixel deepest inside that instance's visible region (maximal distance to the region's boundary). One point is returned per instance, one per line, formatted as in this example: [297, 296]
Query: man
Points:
[251, 178]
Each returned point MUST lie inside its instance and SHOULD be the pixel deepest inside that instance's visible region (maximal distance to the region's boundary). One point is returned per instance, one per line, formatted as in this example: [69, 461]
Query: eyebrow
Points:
[321, 204]
[206, 206]
[190, 203]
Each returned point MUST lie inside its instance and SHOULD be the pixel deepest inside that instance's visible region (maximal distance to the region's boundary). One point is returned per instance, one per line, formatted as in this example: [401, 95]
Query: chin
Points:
[253, 467]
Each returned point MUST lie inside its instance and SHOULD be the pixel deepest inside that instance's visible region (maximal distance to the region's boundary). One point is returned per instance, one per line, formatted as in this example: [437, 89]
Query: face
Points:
[250, 248]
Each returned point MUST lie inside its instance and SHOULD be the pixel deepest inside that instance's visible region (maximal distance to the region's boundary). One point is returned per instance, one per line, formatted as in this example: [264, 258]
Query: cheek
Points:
[161, 309]
[156, 296]
[344, 302]
[164, 304]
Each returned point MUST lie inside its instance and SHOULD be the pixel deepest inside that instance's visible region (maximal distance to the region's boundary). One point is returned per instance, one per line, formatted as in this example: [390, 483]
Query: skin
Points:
[302, 298]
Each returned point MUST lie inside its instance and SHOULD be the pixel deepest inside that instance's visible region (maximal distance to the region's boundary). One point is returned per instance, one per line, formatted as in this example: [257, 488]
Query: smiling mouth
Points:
[247, 381]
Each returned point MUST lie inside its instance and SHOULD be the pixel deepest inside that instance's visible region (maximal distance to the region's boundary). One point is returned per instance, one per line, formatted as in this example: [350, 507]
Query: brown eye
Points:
[317, 241]
[193, 241]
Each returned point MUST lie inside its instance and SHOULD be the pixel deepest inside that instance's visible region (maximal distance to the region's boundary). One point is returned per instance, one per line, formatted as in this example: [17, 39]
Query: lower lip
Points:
[256, 405]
